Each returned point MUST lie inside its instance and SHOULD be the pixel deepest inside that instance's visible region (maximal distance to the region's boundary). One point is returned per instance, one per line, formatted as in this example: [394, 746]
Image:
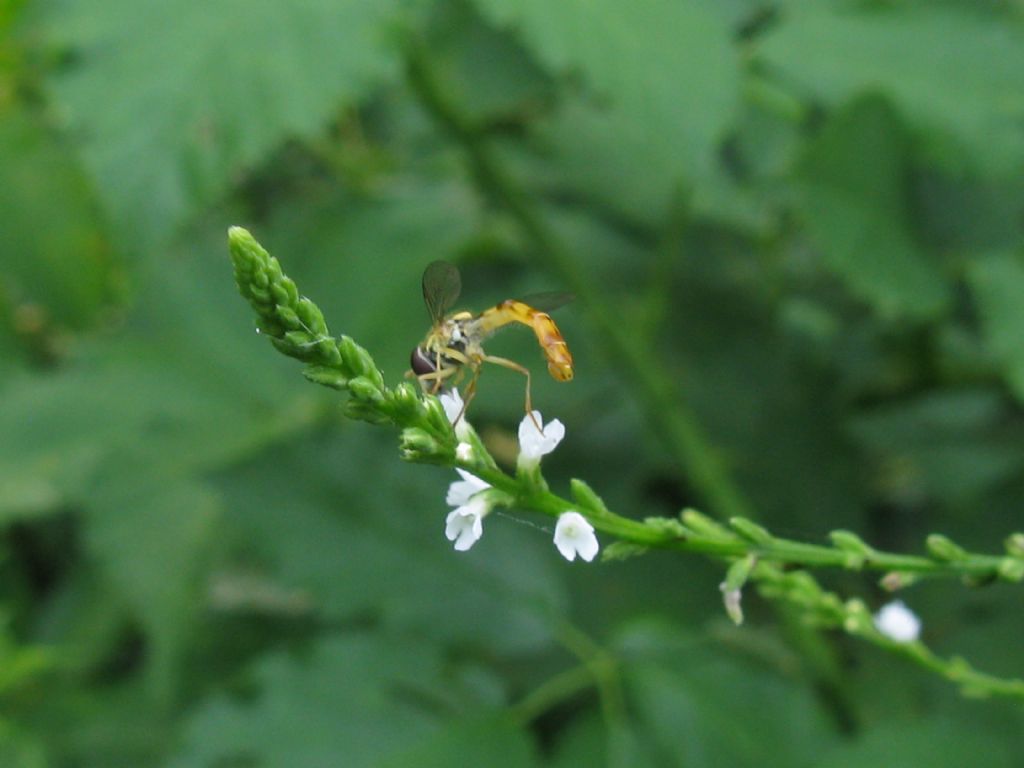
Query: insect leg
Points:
[438, 369]
[432, 381]
[470, 393]
[506, 363]
[442, 372]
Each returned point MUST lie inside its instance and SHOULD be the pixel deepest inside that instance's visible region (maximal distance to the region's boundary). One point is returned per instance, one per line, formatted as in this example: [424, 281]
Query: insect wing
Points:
[548, 301]
[441, 288]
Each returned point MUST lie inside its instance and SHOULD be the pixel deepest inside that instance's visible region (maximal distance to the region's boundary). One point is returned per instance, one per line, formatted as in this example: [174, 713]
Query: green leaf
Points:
[662, 82]
[781, 411]
[490, 73]
[590, 739]
[938, 742]
[958, 72]
[123, 436]
[150, 536]
[21, 748]
[57, 429]
[342, 522]
[955, 443]
[352, 702]
[124, 729]
[997, 283]
[492, 742]
[53, 251]
[695, 706]
[852, 198]
[174, 99]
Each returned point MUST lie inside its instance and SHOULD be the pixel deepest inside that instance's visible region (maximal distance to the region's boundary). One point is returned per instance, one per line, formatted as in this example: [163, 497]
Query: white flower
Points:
[453, 409]
[464, 452]
[452, 404]
[897, 622]
[465, 524]
[575, 536]
[534, 443]
[461, 491]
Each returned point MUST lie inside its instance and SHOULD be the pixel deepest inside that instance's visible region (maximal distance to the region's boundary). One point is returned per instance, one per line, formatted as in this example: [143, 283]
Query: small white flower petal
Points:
[452, 404]
[461, 491]
[465, 525]
[575, 536]
[464, 452]
[534, 443]
[897, 622]
[453, 408]
[732, 599]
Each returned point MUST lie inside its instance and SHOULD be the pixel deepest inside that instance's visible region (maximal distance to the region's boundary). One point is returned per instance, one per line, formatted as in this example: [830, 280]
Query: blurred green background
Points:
[798, 224]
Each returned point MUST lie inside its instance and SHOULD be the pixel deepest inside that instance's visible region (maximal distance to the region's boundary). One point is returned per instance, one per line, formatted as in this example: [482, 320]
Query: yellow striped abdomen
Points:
[548, 336]
[554, 346]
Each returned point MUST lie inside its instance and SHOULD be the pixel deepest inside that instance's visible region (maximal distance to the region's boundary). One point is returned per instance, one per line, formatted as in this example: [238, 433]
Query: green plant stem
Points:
[677, 426]
[729, 545]
[956, 670]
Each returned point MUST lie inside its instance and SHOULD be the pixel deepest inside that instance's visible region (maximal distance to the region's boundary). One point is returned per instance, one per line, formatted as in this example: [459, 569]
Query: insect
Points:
[455, 341]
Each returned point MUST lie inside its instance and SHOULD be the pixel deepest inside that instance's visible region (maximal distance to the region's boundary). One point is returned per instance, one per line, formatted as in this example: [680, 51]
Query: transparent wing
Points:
[441, 288]
[548, 301]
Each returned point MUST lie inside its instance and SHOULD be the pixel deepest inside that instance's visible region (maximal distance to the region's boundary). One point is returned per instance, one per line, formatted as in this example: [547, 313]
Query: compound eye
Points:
[421, 362]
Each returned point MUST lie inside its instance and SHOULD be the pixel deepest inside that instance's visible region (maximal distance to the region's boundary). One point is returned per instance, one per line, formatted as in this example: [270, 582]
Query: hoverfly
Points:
[455, 342]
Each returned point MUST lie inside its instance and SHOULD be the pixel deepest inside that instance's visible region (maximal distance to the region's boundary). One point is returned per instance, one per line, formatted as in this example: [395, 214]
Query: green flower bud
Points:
[854, 548]
[622, 550]
[1015, 544]
[284, 292]
[943, 548]
[585, 497]
[738, 573]
[311, 317]
[858, 619]
[364, 389]
[358, 361]
[896, 580]
[417, 444]
[299, 341]
[667, 527]
[328, 377]
[435, 415]
[405, 402]
[750, 530]
[704, 526]
[360, 410]
[288, 316]
[1011, 569]
[850, 542]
